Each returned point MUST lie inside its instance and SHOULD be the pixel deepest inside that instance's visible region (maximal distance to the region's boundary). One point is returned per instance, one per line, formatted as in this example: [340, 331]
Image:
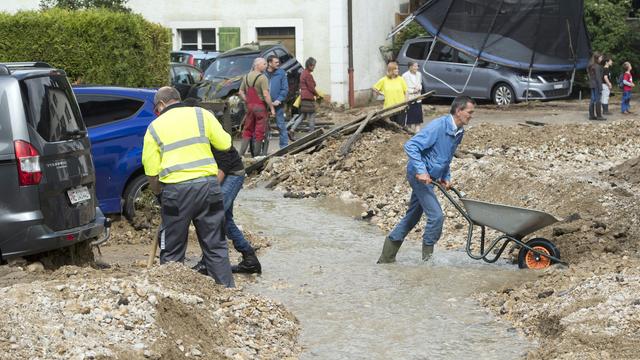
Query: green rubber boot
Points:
[389, 251]
[427, 251]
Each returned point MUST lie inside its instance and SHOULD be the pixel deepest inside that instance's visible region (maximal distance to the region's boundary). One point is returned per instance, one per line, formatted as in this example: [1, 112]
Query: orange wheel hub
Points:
[535, 261]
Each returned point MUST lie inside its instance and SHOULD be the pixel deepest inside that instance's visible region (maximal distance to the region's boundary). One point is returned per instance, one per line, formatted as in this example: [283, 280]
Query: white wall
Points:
[321, 31]
[308, 17]
[12, 6]
[371, 24]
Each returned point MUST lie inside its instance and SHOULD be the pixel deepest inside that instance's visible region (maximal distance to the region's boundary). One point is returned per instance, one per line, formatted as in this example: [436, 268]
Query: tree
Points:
[115, 5]
[411, 31]
[609, 30]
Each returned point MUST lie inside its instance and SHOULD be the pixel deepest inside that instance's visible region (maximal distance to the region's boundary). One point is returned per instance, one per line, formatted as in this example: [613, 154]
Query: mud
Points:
[585, 172]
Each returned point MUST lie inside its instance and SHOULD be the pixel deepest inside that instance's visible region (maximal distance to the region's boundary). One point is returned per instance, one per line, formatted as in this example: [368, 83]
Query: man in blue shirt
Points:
[279, 89]
[430, 153]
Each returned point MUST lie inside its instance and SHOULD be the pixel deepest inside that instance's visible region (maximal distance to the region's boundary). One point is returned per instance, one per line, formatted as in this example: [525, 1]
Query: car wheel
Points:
[140, 205]
[503, 95]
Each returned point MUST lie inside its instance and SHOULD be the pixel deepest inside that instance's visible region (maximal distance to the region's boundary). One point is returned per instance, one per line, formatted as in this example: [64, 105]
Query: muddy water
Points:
[322, 267]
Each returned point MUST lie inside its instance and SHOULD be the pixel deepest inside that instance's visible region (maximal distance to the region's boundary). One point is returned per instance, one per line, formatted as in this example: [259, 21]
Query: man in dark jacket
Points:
[231, 176]
[278, 88]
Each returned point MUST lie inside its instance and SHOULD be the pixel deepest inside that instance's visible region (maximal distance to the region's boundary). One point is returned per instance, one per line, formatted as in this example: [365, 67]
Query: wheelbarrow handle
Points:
[444, 189]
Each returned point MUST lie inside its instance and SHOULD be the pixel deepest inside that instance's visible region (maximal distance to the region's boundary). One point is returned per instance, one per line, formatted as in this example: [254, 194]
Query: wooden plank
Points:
[344, 149]
[285, 150]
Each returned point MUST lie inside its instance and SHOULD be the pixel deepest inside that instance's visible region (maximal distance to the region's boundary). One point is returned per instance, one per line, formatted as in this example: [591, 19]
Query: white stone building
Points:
[317, 28]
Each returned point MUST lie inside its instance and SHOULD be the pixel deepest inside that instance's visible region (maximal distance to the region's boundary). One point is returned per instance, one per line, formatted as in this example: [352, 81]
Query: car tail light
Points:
[192, 60]
[28, 160]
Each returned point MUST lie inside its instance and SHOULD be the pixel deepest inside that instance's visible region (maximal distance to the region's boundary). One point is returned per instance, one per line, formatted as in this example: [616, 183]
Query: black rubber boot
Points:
[599, 112]
[605, 109]
[256, 150]
[248, 265]
[243, 146]
[427, 251]
[592, 114]
[389, 251]
[200, 267]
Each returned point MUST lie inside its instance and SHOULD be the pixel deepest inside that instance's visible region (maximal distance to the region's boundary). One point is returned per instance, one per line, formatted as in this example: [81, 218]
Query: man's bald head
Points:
[166, 94]
[259, 64]
[164, 97]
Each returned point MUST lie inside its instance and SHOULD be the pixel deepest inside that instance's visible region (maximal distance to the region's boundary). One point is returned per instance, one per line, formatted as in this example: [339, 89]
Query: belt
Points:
[238, 173]
[196, 180]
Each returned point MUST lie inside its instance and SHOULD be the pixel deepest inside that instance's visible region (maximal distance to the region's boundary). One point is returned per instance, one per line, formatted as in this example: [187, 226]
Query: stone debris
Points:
[165, 312]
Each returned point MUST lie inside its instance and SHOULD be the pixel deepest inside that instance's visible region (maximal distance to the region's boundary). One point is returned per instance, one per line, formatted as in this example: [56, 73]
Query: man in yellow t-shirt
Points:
[394, 89]
[182, 171]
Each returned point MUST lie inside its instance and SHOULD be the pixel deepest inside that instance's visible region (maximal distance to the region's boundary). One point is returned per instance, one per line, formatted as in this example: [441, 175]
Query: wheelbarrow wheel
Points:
[528, 259]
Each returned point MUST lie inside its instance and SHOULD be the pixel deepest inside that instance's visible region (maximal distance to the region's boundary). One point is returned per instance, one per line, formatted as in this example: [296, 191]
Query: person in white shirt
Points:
[413, 78]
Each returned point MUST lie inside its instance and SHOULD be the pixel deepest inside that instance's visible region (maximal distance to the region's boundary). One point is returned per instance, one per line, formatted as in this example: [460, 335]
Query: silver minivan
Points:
[447, 72]
[47, 177]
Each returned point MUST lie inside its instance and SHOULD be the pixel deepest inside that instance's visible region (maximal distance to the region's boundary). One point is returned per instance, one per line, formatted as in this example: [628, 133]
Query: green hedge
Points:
[93, 46]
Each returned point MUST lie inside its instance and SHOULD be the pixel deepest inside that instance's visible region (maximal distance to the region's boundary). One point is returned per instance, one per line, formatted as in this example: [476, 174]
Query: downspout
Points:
[352, 97]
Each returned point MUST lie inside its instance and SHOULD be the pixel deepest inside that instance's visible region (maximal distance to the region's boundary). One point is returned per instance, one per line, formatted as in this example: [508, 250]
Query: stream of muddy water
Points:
[322, 266]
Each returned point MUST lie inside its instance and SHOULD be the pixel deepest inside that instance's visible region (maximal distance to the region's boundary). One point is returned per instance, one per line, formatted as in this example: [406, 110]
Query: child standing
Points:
[628, 85]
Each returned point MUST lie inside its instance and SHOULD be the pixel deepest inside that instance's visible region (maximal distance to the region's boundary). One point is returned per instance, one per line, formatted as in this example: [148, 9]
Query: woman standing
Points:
[594, 70]
[308, 96]
[606, 84]
[413, 78]
[394, 90]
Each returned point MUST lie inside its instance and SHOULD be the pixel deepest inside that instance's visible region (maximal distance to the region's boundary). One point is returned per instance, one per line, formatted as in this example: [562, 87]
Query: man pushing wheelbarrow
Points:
[430, 153]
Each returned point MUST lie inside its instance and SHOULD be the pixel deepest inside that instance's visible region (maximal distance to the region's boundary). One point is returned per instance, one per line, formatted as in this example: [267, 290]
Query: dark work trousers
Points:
[200, 201]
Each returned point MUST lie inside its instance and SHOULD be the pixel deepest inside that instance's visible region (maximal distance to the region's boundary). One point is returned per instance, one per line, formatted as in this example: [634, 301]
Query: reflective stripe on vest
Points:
[185, 166]
[202, 139]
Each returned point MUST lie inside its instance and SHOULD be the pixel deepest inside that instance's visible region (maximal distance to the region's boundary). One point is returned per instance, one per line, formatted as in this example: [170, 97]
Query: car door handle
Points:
[458, 70]
[449, 69]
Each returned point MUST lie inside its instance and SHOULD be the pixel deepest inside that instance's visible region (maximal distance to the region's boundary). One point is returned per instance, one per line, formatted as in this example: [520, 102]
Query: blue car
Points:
[117, 119]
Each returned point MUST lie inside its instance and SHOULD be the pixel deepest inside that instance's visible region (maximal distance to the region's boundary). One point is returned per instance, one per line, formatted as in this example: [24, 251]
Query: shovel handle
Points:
[154, 249]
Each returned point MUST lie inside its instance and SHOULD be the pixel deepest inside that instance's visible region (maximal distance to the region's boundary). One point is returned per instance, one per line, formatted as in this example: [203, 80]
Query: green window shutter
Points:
[229, 38]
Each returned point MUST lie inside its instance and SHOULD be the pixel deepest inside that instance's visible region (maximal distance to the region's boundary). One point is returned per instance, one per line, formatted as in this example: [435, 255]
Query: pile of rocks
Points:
[165, 312]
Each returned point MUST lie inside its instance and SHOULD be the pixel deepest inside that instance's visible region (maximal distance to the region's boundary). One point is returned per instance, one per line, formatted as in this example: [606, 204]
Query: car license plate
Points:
[558, 86]
[78, 194]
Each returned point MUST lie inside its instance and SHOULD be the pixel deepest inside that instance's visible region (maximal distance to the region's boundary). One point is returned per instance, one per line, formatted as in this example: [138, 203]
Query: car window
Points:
[418, 50]
[270, 53]
[465, 59]
[51, 107]
[182, 75]
[103, 109]
[228, 67]
[444, 53]
[283, 56]
[195, 74]
[180, 57]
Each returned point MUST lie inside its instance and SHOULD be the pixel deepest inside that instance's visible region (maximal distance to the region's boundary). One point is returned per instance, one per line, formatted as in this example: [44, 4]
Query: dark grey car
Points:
[47, 177]
[451, 72]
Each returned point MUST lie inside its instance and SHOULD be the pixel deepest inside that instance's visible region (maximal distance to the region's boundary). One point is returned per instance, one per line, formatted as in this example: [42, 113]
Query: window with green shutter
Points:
[229, 38]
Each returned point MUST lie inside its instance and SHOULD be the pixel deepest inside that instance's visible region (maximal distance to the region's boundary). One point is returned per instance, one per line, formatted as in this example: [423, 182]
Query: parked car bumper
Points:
[542, 91]
[37, 238]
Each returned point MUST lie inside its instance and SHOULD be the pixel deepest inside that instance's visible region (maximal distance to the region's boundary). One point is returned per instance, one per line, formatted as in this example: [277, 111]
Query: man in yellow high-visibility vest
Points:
[177, 159]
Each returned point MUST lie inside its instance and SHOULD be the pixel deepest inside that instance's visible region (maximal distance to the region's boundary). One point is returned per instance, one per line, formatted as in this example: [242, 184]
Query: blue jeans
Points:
[625, 105]
[423, 200]
[230, 188]
[282, 126]
[596, 94]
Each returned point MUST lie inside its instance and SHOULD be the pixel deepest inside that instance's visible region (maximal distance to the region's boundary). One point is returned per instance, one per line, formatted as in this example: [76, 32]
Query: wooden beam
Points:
[285, 150]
